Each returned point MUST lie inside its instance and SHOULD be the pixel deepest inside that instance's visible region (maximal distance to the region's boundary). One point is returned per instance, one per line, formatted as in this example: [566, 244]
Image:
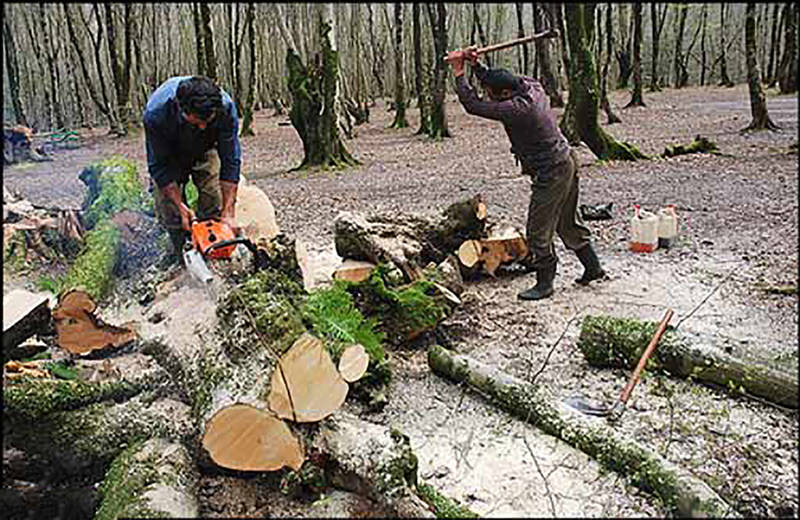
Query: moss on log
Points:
[680, 491]
[700, 144]
[113, 187]
[150, 479]
[32, 399]
[619, 342]
[93, 270]
[443, 507]
[86, 440]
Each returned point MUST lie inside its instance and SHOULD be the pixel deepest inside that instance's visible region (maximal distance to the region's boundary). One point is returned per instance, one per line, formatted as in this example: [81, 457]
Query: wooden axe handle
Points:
[626, 392]
[552, 33]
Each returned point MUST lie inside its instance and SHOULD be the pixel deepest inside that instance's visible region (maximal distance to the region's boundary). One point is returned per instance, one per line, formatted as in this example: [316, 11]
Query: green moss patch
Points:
[124, 484]
[94, 266]
[34, 398]
[443, 507]
[113, 187]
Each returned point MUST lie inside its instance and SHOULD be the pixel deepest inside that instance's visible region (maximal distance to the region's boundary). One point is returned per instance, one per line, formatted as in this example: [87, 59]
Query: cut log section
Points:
[80, 331]
[306, 386]
[503, 245]
[245, 438]
[353, 363]
[255, 214]
[680, 491]
[24, 314]
[618, 342]
[353, 270]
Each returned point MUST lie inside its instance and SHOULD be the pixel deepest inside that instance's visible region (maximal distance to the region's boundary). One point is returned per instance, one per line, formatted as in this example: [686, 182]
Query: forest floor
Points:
[738, 233]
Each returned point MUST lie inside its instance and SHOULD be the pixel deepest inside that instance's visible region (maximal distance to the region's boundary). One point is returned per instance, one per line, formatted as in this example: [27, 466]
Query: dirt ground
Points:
[738, 235]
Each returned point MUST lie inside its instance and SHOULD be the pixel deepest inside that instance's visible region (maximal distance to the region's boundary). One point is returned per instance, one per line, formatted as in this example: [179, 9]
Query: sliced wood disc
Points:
[469, 253]
[353, 270]
[244, 438]
[305, 386]
[80, 331]
[353, 363]
[75, 299]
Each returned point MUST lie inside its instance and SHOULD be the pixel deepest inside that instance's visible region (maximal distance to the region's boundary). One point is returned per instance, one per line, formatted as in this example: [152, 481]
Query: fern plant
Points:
[332, 314]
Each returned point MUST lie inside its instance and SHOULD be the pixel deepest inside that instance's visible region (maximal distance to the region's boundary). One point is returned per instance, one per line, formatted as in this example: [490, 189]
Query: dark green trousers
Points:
[554, 209]
[205, 175]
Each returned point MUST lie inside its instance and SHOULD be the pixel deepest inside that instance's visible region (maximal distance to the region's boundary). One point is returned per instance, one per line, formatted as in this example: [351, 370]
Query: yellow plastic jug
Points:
[644, 231]
[667, 226]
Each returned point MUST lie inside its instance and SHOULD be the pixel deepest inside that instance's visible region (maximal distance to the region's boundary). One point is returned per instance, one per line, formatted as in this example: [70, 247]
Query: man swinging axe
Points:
[521, 104]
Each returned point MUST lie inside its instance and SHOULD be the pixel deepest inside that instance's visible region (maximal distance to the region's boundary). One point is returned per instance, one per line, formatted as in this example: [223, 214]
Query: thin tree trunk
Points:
[542, 47]
[198, 40]
[118, 70]
[606, 105]
[758, 103]
[377, 53]
[561, 25]
[437, 15]
[53, 100]
[677, 58]
[787, 72]
[247, 108]
[399, 70]
[522, 57]
[420, 73]
[624, 51]
[481, 35]
[12, 67]
[208, 41]
[636, 97]
[723, 64]
[703, 47]
[583, 100]
[684, 63]
[773, 44]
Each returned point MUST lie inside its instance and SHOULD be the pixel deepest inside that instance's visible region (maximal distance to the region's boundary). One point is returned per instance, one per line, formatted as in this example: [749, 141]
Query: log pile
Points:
[618, 342]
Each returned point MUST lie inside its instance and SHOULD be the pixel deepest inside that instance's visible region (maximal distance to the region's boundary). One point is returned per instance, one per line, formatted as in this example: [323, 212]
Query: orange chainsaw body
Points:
[207, 233]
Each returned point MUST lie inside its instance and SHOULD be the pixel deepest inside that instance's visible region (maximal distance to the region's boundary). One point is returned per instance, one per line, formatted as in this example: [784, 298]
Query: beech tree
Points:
[12, 69]
[636, 96]
[787, 72]
[399, 70]
[437, 14]
[758, 103]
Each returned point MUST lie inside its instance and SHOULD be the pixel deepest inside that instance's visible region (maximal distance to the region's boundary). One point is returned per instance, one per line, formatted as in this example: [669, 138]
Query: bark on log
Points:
[374, 461]
[679, 490]
[24, 314]
[617, 342]
[503, 245]
[409, 242]
[84, 441]
[153, 479]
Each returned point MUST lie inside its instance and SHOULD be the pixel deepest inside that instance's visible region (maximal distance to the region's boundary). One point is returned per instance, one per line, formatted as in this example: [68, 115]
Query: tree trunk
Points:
[617, 342]
[247, 108]
[681, 492]
[476, 21]
[624, 51]
[12, 68]
[703, 47]
[583, 89]
[399, 70]
[208, 41]
[677, 61]
[53, 101]
[313, 114]
[655, 34]
[787, 71]
[636, 96]
[437, 14]
[420, 74]
[377, 53]
[758, 103]
[542, 47]
[522, 56]
[198, 39]
[606, 105]
[119, 72]
[774, 44]
[724, 81]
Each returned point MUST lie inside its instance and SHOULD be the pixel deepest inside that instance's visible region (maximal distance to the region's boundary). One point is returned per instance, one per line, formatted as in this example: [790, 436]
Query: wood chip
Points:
[80, 331]
[353, 270]
[353, 363]
[315, 387]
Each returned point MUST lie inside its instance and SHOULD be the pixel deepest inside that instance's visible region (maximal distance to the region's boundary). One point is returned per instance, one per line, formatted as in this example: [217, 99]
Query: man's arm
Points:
[230, 155]
[503, 111]
[158, 153]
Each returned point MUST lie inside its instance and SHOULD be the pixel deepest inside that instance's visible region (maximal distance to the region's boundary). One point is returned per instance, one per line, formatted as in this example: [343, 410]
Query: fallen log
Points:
[681, 492]
[409, 242]
[150, 479]
[700, 144]
[618, 342]
[373, 461]
[24, 314]
[82, 442]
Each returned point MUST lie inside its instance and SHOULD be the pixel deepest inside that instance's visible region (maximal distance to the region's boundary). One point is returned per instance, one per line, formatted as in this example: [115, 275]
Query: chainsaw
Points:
[214, 239]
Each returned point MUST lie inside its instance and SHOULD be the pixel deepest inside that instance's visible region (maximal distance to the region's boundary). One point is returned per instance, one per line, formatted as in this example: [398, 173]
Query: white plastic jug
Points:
[667, 226]
[644, 231]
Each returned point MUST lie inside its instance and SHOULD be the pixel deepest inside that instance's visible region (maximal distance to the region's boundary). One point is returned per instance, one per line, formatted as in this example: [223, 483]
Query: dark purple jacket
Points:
[531, 126]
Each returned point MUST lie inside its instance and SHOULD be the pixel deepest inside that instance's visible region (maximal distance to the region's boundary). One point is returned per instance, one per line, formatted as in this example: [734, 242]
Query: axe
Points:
[551, 33]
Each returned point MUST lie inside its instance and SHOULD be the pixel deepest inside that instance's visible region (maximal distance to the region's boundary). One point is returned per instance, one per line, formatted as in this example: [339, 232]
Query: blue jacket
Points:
[174, 145]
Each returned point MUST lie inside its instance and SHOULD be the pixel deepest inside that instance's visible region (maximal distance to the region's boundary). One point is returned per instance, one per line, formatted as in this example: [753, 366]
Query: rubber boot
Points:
[544, 284]
[591, 265]
[177, 238]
